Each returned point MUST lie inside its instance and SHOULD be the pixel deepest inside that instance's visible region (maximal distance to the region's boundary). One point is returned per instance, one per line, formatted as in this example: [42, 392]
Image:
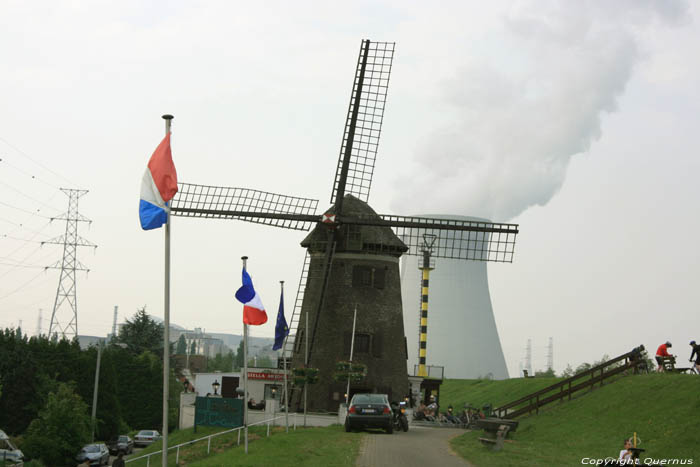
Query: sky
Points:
[575, 120]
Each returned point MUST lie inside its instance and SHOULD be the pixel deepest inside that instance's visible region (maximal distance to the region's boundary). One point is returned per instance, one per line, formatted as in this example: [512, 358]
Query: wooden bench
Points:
[669, 364]
[492, 424]
[498, 429]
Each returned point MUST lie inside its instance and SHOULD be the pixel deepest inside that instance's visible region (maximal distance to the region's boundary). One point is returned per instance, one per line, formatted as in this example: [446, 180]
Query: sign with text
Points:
[218, 411]
[265, 376]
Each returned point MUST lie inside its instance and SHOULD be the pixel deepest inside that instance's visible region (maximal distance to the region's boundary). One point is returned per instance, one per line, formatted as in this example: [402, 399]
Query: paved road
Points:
[419, 447]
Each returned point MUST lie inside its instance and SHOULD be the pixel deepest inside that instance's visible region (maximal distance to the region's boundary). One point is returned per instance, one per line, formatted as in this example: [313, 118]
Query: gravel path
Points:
[419, 447]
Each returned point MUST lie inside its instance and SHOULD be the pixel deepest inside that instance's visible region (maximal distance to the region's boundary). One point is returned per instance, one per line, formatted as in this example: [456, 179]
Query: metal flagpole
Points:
[284, 363]
[166, 321]
[352, 345]
[97, 384]
[245, 373]
[306, 362]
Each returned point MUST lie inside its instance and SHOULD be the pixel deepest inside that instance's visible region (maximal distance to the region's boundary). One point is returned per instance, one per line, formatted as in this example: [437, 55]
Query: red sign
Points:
[265, 376]
[328, 218]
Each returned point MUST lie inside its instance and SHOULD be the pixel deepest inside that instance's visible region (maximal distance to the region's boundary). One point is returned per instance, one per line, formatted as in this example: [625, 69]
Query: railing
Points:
[587, 379]
[433, 371]
[209, 438]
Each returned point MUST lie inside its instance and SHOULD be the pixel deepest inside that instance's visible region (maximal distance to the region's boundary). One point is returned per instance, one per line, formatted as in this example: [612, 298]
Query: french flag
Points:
[253, 309]
[158, 186]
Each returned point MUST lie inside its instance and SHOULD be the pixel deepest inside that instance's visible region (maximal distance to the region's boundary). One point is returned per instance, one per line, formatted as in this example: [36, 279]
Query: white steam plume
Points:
[520, 116]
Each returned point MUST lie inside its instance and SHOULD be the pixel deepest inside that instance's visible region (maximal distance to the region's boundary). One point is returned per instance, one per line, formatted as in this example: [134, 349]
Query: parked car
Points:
[121, 444]
[97, 454]
[369, 411]
[146, 437]
[8, 451]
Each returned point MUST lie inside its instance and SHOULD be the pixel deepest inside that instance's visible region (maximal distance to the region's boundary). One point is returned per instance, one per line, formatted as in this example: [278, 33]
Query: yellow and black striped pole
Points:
[424, 313]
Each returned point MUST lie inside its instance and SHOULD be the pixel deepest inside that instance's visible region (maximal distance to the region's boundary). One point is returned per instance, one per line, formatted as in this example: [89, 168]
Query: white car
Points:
[9, 451]
[146, 437]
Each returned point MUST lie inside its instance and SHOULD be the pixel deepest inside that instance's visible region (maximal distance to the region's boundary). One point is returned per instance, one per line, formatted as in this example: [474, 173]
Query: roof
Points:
[354, 238]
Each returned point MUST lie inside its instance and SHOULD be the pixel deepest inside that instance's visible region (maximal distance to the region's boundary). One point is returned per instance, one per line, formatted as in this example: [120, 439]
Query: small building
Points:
[263, 383]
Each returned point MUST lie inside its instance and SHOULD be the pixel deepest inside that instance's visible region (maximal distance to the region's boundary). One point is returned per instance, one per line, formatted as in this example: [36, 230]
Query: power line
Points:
[30, 239]
[23, 266]
[30, 197]
[19, 239]
[23, 285]
[24, 210]
[33, 177]
[35, 161]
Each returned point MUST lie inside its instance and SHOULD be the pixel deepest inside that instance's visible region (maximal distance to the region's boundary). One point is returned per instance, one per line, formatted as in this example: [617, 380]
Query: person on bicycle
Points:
[695, 353]
[661, 352]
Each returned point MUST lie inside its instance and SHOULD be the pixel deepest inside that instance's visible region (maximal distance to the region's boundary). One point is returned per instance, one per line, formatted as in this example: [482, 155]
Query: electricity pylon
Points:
[66, 291]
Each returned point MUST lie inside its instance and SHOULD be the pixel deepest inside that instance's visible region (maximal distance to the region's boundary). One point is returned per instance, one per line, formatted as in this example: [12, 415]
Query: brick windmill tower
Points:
[352, 252]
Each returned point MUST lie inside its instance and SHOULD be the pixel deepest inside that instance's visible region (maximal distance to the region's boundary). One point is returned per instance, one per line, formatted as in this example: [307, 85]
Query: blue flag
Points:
[281, 329]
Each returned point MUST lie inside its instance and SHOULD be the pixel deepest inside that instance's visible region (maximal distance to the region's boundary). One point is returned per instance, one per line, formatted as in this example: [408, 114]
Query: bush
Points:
[62, 428]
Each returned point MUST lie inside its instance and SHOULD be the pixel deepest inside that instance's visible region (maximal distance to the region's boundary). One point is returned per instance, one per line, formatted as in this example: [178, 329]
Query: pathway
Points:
[419, 447]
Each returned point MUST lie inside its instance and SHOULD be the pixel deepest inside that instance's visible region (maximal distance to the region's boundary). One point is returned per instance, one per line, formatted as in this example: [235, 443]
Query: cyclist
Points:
[661, 352]
[695, 353]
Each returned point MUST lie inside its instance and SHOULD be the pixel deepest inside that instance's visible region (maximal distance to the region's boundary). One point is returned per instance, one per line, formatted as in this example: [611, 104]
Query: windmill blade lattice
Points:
[217, 202]
[364, 119]
[457, 239]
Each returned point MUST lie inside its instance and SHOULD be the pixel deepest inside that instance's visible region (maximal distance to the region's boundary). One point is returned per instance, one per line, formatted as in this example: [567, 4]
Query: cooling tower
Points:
[462, 334]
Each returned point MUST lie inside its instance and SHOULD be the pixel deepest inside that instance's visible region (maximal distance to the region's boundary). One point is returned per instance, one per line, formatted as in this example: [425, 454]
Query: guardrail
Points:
[433, 371]
[565, 388]
[209, 438]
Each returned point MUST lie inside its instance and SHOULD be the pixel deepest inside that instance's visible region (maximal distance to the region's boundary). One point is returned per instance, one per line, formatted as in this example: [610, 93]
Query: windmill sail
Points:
[364, 120]
[457, 239]
[261, 207]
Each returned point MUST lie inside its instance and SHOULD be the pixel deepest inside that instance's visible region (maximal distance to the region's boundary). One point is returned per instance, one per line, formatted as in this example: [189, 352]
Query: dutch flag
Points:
[253, 309]
[158, 186]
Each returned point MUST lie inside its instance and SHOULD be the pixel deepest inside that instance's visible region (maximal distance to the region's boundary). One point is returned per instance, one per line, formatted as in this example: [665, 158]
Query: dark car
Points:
[97, 454]
[369, 411]
[121, 444]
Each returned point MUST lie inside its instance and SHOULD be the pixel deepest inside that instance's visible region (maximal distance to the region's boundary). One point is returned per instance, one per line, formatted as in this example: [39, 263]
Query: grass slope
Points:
[327, 446]
[310, 446]
[478, 392]
[663, 409]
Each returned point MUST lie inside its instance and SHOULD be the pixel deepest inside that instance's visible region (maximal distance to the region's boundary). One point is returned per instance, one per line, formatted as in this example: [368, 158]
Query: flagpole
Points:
[166, 321]
[352, 345]
[245, 373]
[284, 363]
[306, 362]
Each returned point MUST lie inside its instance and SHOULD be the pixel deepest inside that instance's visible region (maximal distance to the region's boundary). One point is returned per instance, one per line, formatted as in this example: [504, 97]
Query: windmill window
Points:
[354, 237]
[361, 343]
[361, 276]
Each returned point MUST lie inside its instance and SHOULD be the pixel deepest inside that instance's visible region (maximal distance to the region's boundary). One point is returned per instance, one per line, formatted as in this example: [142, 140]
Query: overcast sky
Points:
[576, 120]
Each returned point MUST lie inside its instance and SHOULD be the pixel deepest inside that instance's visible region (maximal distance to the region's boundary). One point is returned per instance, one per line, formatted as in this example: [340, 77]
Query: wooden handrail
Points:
[631, 359]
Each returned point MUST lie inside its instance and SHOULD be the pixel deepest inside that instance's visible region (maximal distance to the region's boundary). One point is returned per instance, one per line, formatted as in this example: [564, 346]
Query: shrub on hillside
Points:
[62, 428]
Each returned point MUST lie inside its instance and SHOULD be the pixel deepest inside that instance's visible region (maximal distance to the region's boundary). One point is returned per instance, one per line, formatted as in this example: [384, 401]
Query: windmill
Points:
[352, 252]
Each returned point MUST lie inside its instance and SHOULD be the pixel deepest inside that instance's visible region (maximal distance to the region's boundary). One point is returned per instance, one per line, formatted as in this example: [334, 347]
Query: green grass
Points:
[189, 452]
[327, 446]
[663, 409]
[478, 392]
[310, 446]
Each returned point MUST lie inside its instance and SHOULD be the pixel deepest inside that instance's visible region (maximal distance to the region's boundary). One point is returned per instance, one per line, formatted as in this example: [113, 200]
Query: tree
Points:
[142, 333]
[193, 348]
[568, 371]
[239, 356]
[62, 428]
[582, 367]
[548, 373]
[181, 348]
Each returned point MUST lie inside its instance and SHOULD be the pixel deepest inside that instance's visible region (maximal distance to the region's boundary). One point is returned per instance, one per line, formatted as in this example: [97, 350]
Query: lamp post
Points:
[216, 386]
